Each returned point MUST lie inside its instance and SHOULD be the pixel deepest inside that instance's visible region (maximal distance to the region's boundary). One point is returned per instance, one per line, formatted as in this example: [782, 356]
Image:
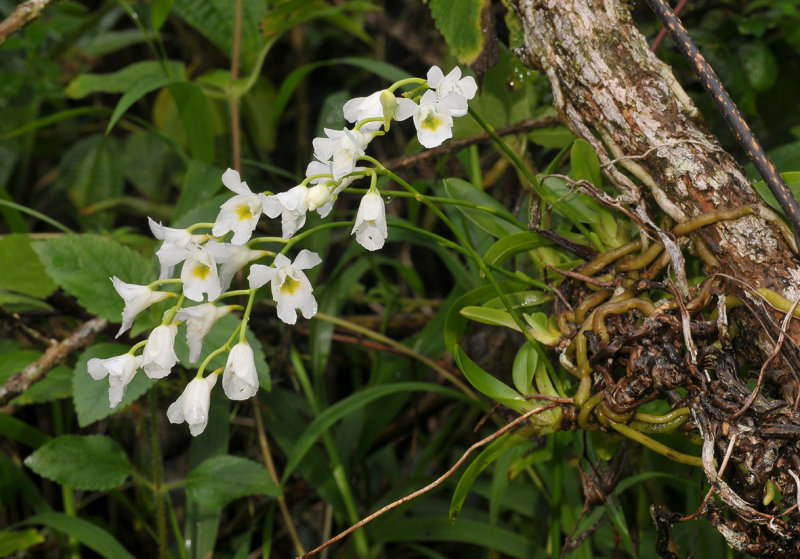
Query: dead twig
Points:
[770, 359]
[456, 145]
[434, 483]
[55, 354]
[24, 13]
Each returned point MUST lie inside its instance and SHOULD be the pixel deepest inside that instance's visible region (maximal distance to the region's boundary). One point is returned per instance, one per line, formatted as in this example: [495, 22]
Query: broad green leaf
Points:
[222, 479]
[508, 93]
[123, 80]
[203, 521]
[55, 386]
[195, 115]
[487, 384]
[13, 360]
[89, 171]
[791, 179]
[84, 531]
[490, 216]
[155, 178]
[286, 15]
[214, 19]
[481, 462]
[83, 264]
[12, 542]
[92, 462]
[585, 164]
[508, 246]
[22, 270]
[462, 24]
[495, 317]
[351, 404]
[201, 182]
[759, 65]
[91, 396]
[137, 91]
[525, 364]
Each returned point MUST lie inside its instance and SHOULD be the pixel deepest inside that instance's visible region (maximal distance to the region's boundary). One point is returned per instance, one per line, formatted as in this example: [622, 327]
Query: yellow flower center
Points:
[201, 271]
[431, 122]
[289, 285]
[243, 212]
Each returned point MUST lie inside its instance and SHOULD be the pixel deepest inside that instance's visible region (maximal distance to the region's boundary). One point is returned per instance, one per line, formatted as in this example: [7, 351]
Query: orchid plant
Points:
[210, 260]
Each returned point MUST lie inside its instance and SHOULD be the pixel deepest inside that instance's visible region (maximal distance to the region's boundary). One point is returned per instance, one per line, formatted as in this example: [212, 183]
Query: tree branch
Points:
[25, 13]
[55, 354]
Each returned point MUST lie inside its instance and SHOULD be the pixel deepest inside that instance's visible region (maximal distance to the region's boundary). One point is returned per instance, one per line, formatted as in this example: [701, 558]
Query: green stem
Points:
[539, 187]
[37, 215]
[225, 347]
[246, 316]
[158, 474]
[407, 81]
[556, 494]
[339, 476]
[400, 348]
[300, 236]
[447, 243]
[443, 200]
[654, 445]
[67, 494]
[465, 244]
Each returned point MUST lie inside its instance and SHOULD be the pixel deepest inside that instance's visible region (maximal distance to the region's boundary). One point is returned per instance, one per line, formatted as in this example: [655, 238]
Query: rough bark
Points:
[612, 91]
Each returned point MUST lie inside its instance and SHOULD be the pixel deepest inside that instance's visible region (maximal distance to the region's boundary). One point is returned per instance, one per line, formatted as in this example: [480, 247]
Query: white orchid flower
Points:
[199, 275]
[290, 286]
[137, 298]
[291, 206]
[433, 117]
[193, 404]
[199, 321]
[452, 83]
[231, 258]
[342, 148]
[370, 226]
[120, 371]
[159, 355]
[239, 214]
[325, 190]
[240, 380]
[381, 104]
[174, 249]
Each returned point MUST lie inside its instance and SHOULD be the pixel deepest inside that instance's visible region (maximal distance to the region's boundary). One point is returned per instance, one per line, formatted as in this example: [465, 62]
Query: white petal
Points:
[260, 275]
[305, 260]
[434, 77]
[405, 108]
[233, 181]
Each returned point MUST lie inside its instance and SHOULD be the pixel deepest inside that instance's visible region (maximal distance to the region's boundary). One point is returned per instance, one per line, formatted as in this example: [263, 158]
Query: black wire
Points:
[732, 116]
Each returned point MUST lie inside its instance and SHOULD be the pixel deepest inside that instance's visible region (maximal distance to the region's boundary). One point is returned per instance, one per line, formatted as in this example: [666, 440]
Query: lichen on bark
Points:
[612, 91]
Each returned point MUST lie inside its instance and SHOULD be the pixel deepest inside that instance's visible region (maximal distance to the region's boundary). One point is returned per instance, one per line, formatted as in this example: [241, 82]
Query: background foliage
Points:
[114, 111]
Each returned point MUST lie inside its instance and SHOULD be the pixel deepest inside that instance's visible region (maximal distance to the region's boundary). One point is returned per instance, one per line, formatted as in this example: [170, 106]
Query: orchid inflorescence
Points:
[209, 261]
